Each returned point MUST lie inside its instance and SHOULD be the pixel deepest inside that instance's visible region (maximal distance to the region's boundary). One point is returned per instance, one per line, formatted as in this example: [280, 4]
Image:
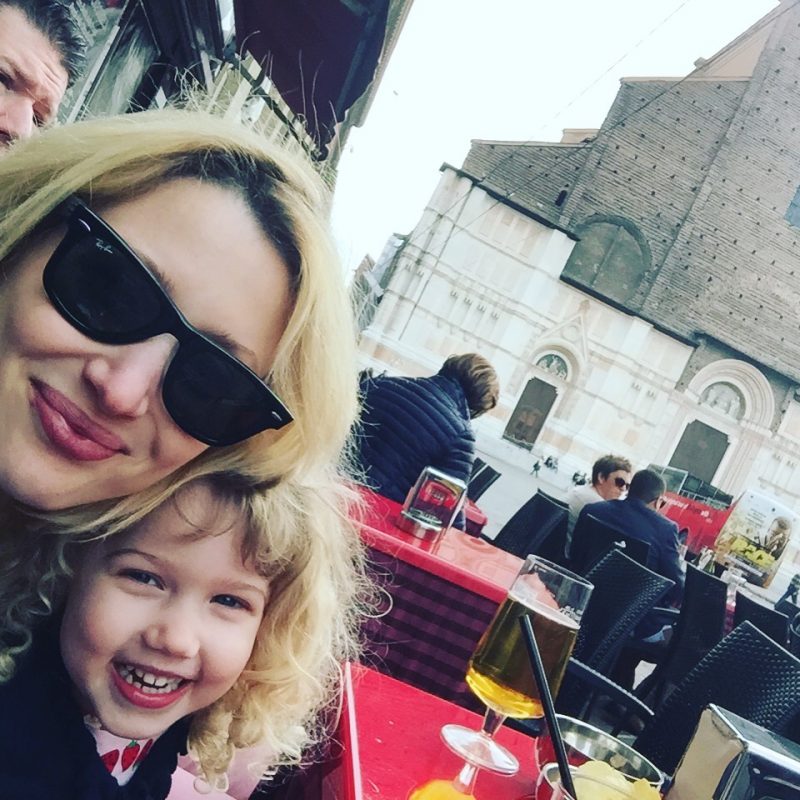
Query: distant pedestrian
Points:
[537, 465]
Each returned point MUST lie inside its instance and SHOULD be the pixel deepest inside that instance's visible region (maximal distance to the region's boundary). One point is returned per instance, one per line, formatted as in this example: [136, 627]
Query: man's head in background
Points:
[41, 54]
[647, 486]
[611, 476]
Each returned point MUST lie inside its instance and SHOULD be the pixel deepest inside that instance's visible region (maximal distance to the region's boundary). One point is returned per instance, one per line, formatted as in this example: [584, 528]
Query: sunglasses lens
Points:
[101, 291]
[214, 399]
[621, 483]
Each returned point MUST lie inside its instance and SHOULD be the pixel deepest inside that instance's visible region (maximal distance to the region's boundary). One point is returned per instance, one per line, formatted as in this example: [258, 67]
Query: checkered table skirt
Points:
[428, 631]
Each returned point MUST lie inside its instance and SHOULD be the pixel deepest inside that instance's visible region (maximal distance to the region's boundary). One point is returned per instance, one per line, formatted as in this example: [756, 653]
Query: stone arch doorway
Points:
[531, 412]
[700, 450]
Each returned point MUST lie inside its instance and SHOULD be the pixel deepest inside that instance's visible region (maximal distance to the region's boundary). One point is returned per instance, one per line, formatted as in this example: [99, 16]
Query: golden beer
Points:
[500, 672]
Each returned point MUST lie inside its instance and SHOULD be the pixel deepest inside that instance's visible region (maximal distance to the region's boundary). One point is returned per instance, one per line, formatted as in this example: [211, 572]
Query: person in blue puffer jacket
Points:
[408, 424]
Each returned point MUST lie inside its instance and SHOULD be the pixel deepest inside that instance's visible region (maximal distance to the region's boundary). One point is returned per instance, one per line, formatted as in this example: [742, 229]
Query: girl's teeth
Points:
[147, 682]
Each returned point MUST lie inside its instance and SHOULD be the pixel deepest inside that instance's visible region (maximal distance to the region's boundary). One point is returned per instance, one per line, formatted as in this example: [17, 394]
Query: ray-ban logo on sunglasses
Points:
[103, 246]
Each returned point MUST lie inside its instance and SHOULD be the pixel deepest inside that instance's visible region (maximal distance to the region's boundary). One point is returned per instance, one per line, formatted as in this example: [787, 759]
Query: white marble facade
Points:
[478, 275]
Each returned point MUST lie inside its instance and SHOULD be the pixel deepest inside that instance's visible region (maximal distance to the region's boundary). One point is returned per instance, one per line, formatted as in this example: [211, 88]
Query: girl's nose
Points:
[125, 378]
[173, 633]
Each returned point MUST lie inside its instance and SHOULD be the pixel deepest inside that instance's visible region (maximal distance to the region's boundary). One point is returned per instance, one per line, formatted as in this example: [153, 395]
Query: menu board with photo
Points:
[754, 537]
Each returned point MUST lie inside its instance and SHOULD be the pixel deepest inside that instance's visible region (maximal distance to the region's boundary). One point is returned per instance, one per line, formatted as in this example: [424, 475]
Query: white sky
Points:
[505, 69]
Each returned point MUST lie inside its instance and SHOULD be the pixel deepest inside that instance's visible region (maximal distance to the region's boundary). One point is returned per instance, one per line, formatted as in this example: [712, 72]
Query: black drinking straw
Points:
[547, 703]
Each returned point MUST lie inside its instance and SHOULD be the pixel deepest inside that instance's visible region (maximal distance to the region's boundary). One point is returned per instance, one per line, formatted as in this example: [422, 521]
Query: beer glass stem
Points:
[492, 722]
[464, 782]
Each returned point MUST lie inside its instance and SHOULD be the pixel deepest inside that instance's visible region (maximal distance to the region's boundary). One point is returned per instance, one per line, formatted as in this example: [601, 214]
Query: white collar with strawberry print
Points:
[121, 756]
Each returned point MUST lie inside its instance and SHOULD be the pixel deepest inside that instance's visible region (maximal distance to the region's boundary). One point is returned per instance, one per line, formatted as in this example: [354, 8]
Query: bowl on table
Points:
[584, 742]
[592, 786]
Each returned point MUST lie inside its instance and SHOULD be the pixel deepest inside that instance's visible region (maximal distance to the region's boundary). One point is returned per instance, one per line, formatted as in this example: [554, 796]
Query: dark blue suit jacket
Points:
[636, 519]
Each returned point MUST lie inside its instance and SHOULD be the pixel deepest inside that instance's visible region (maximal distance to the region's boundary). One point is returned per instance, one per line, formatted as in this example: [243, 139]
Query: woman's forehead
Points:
[219, 266]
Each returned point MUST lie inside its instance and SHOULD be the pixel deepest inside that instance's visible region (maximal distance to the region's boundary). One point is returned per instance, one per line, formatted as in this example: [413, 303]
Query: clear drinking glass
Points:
[500, 673]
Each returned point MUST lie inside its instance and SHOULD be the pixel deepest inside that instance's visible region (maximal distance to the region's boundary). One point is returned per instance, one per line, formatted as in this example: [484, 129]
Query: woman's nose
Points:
[174, 633]
[125, 378]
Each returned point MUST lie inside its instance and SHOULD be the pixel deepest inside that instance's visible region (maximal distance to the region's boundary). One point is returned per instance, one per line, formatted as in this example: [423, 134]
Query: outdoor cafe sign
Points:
[755, 537]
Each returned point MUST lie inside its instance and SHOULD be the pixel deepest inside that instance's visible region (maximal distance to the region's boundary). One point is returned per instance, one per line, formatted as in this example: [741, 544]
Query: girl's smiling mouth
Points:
[147, 689]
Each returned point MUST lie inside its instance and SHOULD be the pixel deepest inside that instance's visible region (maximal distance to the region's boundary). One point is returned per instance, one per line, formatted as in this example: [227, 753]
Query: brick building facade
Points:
[637, 286]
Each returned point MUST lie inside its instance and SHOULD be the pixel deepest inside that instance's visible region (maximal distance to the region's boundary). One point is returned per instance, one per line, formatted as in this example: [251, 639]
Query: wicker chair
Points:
[624, 592]
[699, 627]
[765, 618]
[530, 526]
[747, 673]
[794, 636]
[482, 477]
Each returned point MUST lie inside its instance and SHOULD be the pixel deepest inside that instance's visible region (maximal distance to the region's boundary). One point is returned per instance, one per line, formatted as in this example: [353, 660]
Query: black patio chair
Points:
[765, 618]
[624, 593]
[700, 627]
[554, 544]
[555, 500]
[794, 635]
[593, 538]
[747, 673]
[530, 526]
[482, 477]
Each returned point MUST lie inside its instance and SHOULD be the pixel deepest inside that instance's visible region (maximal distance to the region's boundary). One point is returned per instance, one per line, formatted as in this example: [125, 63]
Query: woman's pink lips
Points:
[143, 700]
[70, 430]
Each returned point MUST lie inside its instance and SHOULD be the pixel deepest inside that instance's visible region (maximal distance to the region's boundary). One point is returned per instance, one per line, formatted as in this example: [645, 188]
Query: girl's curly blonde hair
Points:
[295, 537]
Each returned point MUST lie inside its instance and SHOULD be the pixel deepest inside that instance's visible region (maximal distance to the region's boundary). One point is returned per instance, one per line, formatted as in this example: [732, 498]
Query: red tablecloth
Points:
[465, 560]
[438, 601]
[391, 743]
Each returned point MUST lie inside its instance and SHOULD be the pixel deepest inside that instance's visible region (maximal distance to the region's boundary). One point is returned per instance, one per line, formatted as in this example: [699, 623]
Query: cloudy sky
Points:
[511, 70]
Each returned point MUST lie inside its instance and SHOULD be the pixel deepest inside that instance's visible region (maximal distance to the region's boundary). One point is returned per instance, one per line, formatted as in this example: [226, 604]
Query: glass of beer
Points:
[500, 673]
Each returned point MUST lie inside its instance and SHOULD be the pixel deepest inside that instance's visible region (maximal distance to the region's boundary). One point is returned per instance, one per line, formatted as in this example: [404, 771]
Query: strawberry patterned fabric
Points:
[121, 756]
[46, 749]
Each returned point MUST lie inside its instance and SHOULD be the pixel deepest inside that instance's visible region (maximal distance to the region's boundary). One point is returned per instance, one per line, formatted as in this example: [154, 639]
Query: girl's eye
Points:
[142, 576]
[231, 601]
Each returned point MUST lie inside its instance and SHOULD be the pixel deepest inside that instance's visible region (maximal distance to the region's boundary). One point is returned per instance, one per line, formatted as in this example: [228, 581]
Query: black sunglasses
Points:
[621, 483]
[102, 288]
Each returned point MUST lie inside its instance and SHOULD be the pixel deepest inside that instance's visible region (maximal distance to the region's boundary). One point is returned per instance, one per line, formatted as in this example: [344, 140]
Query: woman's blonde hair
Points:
[294, 536]
[114, 159]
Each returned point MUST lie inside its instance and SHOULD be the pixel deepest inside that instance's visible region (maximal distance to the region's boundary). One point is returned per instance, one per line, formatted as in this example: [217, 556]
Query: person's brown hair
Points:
[478, 380]
[608, 464]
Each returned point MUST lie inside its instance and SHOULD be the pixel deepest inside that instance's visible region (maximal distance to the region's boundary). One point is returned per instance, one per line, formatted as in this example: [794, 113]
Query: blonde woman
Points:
[170, 307]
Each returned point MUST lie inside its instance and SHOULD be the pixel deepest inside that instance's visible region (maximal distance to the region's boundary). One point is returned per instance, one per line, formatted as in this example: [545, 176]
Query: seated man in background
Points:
[637, 516]
[611, 476]
[408, 424]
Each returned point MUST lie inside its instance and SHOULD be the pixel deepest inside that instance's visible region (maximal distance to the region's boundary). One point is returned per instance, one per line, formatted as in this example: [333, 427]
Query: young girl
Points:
[206, 623]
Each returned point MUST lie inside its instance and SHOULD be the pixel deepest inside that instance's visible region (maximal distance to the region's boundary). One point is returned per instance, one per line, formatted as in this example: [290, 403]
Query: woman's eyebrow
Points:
[221, 338]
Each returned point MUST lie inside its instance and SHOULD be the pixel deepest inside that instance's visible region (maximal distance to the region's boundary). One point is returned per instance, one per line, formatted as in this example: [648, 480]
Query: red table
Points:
[458, 557]
[390, 742]
[442, 598]
[474, 517]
